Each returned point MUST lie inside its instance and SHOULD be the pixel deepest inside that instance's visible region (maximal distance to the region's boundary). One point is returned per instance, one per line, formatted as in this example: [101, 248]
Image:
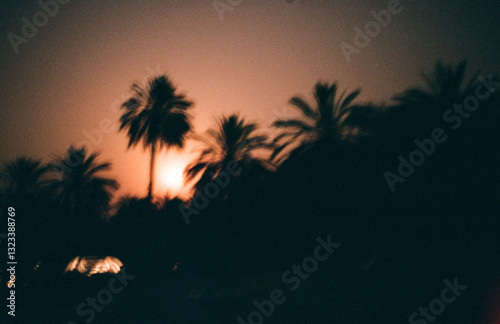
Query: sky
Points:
[63, 82]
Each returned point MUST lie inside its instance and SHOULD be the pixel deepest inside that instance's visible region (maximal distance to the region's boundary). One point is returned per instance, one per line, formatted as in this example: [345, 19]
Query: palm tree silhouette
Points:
[234, 140]
[81, 191]
[443, 87]
[22, 178]
[322, 123]
[157, 116]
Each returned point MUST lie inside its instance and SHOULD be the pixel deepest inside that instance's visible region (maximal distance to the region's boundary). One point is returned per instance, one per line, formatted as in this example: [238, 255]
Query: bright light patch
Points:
[169, 174]
[170, 178]
[93, 265]
[174, 178]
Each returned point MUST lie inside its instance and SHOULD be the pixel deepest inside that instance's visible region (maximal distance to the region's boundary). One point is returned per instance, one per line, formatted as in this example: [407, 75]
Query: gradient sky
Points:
[72, 74]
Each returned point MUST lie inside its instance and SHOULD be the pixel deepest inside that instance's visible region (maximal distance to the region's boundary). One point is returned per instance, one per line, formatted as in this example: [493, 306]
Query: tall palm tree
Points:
[156, 115]
[80, 190]
[323, 122]
[22, 178]
[233, 140]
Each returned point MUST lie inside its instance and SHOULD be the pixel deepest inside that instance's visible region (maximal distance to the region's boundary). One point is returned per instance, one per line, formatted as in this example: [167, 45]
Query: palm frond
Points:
[303, 106]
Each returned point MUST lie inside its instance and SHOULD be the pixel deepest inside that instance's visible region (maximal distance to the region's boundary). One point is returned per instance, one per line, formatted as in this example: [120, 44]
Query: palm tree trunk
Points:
[151, 171]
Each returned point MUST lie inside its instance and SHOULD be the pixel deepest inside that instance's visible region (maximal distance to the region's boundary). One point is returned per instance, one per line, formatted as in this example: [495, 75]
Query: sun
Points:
[171, 178]
[174, 178]
[169, 175]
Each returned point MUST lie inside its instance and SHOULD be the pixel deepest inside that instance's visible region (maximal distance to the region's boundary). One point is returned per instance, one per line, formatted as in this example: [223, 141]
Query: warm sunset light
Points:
[169, 174]
[200, 161]
[173, 178]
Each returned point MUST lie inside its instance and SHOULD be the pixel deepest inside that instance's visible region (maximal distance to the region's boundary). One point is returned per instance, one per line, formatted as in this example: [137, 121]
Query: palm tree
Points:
[157, 116]
[322, 123]
[234, 140]
[81, 190]
[443, 87]
[22, 178]
[22, 186]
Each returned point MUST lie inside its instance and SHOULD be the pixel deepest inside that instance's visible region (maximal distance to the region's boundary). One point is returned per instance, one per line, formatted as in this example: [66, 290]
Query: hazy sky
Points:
[68, 77]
